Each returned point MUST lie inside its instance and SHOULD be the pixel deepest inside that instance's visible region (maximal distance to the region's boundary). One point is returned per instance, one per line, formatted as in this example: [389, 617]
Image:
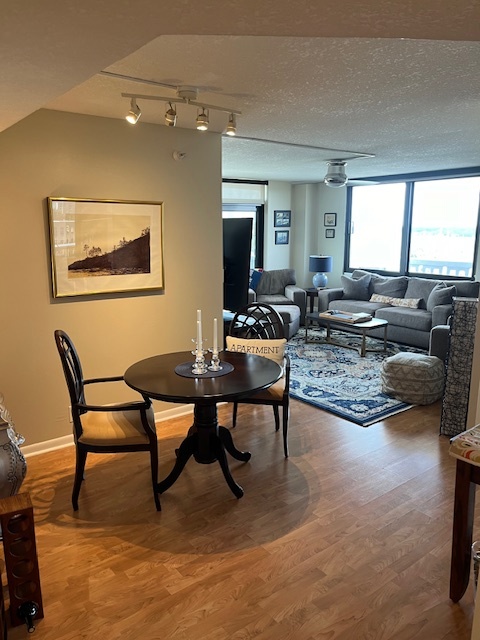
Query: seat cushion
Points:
[107, 428]
[413, 377]
[418, 319]
[466, 446]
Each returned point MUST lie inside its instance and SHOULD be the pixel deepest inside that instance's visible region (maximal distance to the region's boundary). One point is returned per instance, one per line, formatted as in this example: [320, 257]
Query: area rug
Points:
[338, 380]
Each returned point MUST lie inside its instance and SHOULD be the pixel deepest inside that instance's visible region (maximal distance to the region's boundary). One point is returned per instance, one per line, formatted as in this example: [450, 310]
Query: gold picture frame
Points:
[105, 246]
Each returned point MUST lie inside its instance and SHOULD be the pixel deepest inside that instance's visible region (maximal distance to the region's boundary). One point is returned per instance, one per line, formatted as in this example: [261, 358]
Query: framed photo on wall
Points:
[281, 237]
[330, 219]
[282, 218]
[105, 246]
[329, 233]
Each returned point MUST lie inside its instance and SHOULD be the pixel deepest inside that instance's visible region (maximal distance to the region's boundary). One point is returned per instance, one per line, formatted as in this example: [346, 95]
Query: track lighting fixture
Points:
[171, 116]
[184, 95]
[134, 114]
[231, 129]
[202, 120]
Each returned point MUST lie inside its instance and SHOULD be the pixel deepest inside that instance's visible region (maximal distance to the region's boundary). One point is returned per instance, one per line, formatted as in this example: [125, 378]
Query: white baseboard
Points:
[67, 441]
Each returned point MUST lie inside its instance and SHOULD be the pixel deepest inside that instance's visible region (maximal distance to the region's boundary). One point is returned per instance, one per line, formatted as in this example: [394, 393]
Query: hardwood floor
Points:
[347, 539]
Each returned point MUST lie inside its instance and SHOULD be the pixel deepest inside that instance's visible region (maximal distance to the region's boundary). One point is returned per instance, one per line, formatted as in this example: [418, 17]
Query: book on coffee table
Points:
[344, 316]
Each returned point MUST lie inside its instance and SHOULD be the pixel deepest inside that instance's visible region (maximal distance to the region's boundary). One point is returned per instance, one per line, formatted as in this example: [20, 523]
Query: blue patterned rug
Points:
[338, 380]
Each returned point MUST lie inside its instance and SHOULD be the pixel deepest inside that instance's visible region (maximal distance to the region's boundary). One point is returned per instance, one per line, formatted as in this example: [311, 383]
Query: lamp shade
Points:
[320, 264]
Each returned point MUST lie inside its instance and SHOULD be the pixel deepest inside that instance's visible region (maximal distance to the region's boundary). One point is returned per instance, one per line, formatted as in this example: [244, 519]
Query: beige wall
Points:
[59, 154]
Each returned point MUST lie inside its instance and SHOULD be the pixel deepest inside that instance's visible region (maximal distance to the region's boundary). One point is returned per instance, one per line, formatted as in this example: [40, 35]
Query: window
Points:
[246, 211]
[415, 227]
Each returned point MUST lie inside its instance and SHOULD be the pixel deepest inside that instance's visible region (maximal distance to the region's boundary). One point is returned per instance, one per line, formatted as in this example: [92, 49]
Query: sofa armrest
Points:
[299, 297]
[325, 296]
[439, 341]
[441, 314]
[252, 296]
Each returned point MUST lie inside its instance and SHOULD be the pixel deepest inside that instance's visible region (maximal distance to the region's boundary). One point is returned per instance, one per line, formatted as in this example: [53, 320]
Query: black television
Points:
[237, 244]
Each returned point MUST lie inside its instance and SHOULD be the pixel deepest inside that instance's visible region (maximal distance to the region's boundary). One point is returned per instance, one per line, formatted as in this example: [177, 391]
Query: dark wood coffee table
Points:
[360, 328]
[206, 441]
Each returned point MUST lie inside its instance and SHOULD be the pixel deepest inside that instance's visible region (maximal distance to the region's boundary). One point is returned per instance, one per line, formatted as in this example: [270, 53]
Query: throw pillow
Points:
[441, 294]
[273, 349]
[377, 297]
[356, 289]
[255, 279]
[410, 303]
[394, 287]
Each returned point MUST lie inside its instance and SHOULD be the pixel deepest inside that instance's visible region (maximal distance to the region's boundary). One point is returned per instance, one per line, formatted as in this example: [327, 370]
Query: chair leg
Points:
[81, 457]
[285, 416]
[234, 417]
[463, 511]
[277, 417]
[154, 467]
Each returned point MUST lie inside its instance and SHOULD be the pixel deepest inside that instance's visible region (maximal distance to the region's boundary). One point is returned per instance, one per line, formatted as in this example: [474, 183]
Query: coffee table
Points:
[360, 328]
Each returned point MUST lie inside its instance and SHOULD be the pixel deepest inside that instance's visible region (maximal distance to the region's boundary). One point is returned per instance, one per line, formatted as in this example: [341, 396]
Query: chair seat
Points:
[274, 392]
[114, 428]
[466, 446]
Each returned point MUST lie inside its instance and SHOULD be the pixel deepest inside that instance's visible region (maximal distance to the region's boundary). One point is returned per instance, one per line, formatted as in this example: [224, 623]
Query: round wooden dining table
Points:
[156, 377]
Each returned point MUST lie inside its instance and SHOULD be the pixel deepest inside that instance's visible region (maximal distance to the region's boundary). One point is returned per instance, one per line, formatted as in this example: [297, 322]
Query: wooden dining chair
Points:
[258, 321]
[112, 428]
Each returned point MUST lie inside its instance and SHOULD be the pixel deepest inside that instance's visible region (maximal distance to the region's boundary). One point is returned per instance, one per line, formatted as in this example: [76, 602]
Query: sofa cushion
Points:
[440, 294]
[273, 299]
[465, 288]
[356, 306]
[356, 289]
[420, 288]
[418, 319]
[394, 287]
[275, 281]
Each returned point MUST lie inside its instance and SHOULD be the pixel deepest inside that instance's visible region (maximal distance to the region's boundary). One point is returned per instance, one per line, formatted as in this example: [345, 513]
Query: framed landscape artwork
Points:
[281, 237]
[282, 218]
[105, 246]
[330, 219]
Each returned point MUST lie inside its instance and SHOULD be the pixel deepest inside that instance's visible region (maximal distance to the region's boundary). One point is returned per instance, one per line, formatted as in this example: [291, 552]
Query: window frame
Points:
[409, 180]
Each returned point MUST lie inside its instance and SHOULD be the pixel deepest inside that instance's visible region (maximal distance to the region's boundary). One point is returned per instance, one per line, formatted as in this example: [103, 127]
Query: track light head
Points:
[134, 114]
[171, 116]
[336, 176]
[202, 120]
[231, 129]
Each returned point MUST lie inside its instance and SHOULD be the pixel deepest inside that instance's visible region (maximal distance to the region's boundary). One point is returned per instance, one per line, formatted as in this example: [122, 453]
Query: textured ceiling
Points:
[407, 90]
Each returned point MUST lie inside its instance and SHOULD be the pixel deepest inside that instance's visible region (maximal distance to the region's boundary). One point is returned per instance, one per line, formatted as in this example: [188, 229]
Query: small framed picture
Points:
[281, 237]
[329, 233]
[330, 219]
[282, 218]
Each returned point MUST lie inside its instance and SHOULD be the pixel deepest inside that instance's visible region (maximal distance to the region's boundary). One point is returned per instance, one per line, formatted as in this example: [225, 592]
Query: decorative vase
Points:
[13, 466]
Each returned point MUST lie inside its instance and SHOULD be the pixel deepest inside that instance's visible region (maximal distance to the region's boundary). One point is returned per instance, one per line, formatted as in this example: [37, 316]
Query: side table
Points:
[312, 293]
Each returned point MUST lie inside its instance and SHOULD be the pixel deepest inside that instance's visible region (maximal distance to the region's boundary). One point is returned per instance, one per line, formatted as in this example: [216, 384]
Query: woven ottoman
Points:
[413, 377]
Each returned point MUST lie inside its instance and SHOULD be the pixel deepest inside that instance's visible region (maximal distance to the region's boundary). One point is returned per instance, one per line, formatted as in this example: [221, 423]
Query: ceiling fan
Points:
[336, 175]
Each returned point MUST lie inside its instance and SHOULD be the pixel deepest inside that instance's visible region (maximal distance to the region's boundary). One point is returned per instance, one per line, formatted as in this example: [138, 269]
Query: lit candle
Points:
[215, 340]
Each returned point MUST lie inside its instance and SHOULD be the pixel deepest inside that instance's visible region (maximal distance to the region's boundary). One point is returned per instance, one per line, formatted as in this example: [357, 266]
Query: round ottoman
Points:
[413, 377]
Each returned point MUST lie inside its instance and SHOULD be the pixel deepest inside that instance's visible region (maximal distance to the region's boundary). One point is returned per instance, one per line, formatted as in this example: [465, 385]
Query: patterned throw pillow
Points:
[273, 349]
[410, 303]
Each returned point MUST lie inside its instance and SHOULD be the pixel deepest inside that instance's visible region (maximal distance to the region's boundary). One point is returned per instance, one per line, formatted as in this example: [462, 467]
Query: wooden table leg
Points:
[463, 511]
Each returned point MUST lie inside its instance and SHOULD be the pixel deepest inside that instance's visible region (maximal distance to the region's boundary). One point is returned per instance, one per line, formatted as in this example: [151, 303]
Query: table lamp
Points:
[320, 265]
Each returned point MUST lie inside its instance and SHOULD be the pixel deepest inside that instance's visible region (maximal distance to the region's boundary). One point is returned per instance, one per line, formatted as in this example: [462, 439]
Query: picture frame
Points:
[282, 237]
[329, 233]
[105, 246]
[282, 218]
[330, 219]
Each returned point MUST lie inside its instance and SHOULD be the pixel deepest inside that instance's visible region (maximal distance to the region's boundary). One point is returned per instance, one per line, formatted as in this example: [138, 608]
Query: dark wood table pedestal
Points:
[207, 442]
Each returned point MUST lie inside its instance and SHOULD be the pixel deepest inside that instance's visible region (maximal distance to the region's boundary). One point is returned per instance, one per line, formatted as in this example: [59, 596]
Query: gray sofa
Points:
[412, 306]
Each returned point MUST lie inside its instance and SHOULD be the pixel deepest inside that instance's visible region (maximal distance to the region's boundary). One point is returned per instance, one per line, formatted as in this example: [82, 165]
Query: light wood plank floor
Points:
[347, 539]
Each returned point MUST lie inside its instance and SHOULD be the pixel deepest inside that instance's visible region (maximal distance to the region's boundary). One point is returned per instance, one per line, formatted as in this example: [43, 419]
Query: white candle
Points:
[199, 329]
[215, 339]
[199, 336]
